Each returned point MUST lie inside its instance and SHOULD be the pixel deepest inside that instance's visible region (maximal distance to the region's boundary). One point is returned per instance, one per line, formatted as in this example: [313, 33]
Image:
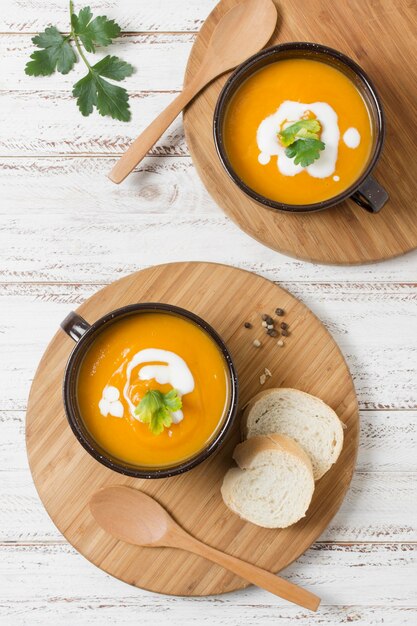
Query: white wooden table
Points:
[66, 231]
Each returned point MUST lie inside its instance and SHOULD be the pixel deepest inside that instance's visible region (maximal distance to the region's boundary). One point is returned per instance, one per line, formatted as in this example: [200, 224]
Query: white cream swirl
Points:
[175, 372]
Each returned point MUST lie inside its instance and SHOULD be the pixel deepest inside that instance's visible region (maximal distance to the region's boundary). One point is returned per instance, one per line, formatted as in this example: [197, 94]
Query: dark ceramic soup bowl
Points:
[84, 335]
[366, 192]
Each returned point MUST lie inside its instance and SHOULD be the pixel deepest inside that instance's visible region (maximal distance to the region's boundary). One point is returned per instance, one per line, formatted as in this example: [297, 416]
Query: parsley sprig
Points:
[156, 408]
[302, 141]
[56, 53]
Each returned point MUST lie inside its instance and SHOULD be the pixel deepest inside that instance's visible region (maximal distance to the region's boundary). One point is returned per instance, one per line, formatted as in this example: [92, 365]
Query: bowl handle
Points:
[371, 196]
[75, 326]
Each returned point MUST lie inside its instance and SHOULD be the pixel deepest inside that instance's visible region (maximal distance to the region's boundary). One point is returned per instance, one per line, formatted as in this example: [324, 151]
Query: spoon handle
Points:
[255, 575]
[142, 144]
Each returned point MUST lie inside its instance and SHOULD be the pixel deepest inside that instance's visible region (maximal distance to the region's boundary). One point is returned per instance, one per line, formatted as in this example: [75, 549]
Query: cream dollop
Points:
[352, 138]
[288, 112]
[110, 402]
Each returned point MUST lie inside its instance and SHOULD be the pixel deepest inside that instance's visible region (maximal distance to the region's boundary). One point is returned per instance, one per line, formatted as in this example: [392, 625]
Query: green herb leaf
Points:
[94, 32]
[302, 141]
[305, 151]
[113, 67]
[93, 91]
[56, 54]
[303, 129]
[156, 408]
[173, 401]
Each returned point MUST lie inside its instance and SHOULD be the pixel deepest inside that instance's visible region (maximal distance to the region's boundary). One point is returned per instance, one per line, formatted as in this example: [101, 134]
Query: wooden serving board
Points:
[380, 36]
[66, 475]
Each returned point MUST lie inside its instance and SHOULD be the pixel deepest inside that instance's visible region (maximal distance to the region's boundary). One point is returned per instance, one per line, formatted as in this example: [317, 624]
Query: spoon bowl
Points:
[242, 31]
[139, 520]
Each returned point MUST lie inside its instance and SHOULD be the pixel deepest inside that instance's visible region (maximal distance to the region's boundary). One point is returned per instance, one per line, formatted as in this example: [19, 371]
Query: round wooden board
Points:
[345, 234]
[66, 476]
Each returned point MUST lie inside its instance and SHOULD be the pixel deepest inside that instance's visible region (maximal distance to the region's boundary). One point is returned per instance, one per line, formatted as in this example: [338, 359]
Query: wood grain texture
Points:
[345, 575]
[380, 431]
[96, 611]
[47, 132]
[165, 190]
[311, 361]
[366, 515]
[145, 51]
[132, 15]
[345, 234]
[102, 241]
[381, 353]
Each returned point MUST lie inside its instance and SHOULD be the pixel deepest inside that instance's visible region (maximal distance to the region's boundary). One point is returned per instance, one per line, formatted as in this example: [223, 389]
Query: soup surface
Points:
[280, 94]
[152, 351]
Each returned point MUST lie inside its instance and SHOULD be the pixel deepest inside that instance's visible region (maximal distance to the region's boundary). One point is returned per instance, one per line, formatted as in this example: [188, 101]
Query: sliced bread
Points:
[273, 485]
[304, 418]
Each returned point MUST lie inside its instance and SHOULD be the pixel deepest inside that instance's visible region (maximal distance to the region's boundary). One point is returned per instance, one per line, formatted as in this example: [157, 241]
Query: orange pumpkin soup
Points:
[153, 352]
[275, 98]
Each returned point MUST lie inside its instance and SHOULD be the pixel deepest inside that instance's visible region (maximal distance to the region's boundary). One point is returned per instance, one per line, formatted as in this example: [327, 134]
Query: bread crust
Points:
[266, 392]
[245, 453]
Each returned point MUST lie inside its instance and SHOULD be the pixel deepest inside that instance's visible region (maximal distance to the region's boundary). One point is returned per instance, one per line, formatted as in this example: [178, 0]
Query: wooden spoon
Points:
[241, 32]
[134, 517]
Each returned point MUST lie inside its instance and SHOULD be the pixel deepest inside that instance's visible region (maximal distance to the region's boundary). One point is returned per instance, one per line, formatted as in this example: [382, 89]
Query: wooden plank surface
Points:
[47, 130]
[132, 15]
[384, 372]
[165, 188]
[344, 575]
[57, 216]
[144, 51]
